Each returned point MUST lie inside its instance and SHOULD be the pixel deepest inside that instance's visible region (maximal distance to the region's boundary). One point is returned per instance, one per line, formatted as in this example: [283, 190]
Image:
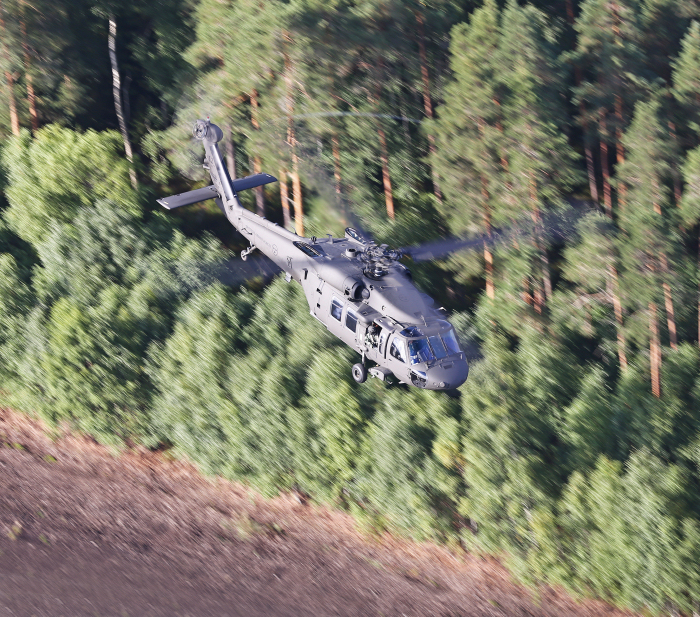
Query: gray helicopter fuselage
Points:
[357, 290]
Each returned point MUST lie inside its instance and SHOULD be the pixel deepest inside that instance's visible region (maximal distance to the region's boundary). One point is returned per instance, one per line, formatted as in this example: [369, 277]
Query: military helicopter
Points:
[358, 290]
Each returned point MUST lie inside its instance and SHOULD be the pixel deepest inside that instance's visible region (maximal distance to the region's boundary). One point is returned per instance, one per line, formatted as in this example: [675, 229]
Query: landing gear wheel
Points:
[359, 373]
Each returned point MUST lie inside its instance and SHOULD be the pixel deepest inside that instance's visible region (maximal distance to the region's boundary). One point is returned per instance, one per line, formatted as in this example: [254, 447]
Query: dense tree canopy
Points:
[574, 448]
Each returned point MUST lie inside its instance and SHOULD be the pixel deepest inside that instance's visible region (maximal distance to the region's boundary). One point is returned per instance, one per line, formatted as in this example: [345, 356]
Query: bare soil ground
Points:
[84, 531]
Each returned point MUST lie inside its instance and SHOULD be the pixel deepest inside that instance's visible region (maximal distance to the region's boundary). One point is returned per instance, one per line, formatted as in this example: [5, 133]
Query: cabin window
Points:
[307, 249]
[398, 350]
[336, 308]
[351, 320]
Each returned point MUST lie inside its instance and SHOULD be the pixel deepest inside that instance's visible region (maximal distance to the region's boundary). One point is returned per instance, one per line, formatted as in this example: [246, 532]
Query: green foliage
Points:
[625, 532]
[191, 372]
[91, 367]
[512, 465]
[469, 142]
[610, 50]
[686, 75]
[15, 301]
[51, 176]
[690, 205]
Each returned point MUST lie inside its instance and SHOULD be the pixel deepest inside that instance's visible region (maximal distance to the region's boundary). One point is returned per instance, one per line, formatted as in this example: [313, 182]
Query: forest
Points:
[573, 451]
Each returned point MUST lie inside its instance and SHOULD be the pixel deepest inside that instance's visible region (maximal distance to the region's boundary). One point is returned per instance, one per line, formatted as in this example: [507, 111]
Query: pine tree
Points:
[468, 132]
[686, 76]
[593, 264]
[690, 204]
[649, 245]
[686, 91]
[611, 58]
[540, 164]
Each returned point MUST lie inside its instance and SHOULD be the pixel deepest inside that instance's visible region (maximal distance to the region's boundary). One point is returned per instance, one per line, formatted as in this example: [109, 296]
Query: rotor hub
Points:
[378, 260]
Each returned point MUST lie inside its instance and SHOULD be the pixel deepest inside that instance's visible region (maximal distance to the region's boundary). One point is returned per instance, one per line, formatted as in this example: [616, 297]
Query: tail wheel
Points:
[359, 373]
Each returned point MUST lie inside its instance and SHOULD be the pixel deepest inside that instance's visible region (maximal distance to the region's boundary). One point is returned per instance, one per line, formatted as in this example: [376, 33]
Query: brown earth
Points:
[84, 531]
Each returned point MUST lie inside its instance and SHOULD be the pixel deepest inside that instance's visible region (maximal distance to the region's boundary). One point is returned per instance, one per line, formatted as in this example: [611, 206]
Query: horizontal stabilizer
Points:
[209, 192]
[250, 182]
[189, 198]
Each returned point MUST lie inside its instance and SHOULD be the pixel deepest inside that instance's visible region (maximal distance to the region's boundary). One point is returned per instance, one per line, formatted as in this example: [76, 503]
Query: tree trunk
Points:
[538, 298]
[654, 352]
[488, 260]
[257, 166]
[668, 300]
[604, 163]
[617, 307]
[488, 256]
[31, 98]
[570, 12]
[9, 78]
[386, 177]
[547, 276]
[116, 91]
[384, 154]
[291, 140]
[284, 198]
[620, 149]
[427, 103]
[296, 190]
[670, 316]
[259, 195]
[590, 167]
[230, 153]
[14, 118]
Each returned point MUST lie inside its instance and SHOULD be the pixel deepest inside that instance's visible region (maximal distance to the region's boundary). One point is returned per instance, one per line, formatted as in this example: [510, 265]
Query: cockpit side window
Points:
[398, 349]
[382, 340]
[336, 308]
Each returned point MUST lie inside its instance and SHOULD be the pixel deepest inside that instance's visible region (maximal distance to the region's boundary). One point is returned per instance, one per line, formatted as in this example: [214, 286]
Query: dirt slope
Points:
[84, 532]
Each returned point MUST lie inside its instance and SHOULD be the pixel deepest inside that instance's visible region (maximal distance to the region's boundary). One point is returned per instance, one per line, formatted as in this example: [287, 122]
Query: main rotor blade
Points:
[234, 272]
[554, 226]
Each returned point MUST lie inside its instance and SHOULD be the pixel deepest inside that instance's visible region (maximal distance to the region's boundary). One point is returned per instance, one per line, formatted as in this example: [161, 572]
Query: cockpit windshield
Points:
[450, 341]
[419, 351]
[411, 331]
[438, 346]
[429, 348]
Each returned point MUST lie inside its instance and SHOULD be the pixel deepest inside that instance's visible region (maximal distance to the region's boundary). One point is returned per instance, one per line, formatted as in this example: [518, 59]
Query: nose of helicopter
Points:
[448, 376]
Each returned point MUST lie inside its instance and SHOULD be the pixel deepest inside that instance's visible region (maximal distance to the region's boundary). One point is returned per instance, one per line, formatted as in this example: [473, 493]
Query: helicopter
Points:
[357, 289]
